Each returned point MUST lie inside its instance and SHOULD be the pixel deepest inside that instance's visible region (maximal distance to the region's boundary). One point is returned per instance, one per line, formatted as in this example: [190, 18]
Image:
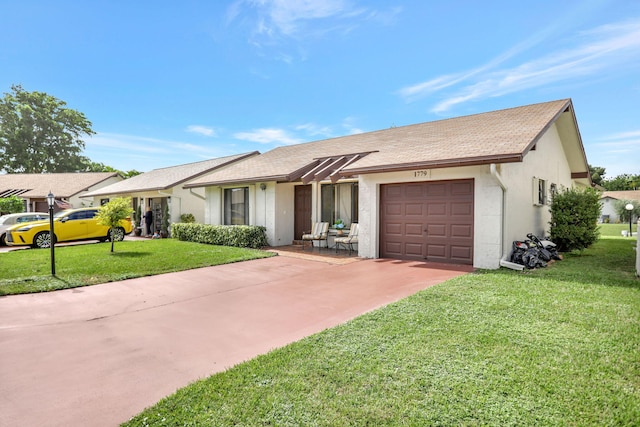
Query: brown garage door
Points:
[430, 221]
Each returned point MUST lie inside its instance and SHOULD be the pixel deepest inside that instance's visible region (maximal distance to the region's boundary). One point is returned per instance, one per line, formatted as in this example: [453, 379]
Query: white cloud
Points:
[349, 124]
[286, 16]
[274, 21]
[268, 136]
[202, 130]
[603, 48]
[313, 129]
[624, 142]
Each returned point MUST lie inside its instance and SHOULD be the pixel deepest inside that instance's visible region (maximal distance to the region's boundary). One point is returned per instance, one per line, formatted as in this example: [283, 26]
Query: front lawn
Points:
[29, 270]
[555, 346]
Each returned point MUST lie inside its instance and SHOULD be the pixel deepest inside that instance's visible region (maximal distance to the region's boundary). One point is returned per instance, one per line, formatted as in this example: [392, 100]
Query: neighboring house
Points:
[609, 199]
[164, 187]
[69, 189]
[457, 191]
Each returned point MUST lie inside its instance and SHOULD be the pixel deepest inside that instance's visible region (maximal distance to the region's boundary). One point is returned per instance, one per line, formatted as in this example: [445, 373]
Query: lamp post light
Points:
[51, 201]
[629, 207]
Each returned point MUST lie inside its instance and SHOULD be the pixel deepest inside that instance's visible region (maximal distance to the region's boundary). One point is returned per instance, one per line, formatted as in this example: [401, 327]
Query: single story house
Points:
[69, 189]
[609, 200]
[164, 187]
[456, 191]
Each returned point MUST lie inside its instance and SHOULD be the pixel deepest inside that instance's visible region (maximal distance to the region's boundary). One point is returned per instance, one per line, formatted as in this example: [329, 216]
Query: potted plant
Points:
[339, 226]
[138, 219]
[164, 225]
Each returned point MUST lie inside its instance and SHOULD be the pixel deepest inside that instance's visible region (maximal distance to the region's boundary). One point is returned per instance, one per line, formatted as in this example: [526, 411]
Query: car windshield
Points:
[61, 213]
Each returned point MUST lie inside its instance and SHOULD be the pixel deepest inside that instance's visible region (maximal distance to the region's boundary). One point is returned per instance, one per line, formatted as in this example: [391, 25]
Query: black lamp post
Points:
[629, 207]
[51, 201]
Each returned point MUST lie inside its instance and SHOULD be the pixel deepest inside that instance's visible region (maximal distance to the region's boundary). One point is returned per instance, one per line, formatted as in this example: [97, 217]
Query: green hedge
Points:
[242, 236]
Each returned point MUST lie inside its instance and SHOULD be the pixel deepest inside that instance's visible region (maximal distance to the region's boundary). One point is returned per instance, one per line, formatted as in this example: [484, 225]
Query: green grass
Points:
[29, 270]
[615, 230]
[555, 346]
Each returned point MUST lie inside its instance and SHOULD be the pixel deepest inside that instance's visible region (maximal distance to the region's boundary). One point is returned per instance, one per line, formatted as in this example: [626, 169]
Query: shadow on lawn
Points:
[137, 254]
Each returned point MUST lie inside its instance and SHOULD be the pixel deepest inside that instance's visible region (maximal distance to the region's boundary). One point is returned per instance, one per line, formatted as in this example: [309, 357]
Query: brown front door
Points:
[430, 221]
[302, 210]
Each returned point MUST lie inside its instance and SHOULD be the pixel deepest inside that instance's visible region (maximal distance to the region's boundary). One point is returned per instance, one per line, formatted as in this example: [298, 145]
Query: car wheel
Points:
[42, 240]
[118, 234]
[3, 239]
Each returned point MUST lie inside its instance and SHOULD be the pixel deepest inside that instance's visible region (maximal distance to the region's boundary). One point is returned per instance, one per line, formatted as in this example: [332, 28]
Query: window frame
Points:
[228, 206]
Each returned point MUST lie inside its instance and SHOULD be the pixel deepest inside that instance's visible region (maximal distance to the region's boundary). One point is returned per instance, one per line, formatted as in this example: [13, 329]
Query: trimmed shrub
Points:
[242, 236]
[574, 219]
[187, 217]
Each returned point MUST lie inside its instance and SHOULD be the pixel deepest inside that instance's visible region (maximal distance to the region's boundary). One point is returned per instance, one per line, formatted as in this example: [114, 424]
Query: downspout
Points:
[196, 194]
[504, 262]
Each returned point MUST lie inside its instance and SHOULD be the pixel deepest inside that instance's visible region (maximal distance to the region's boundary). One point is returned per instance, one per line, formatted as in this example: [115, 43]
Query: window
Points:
[539, 192]
[339, 201]
[236, 206]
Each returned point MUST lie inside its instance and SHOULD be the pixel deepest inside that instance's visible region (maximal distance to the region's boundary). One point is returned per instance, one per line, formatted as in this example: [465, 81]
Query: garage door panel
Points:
[393, 209]
[393, 192]
[393, 248]
[462, 188]
[394, 229]
[435, 189]
[430, 220]
[461, 253]
[462, 230]
[415, 209]
[414, 191]
[436, 230]
[436, 250]
[461, 208]
[414, 230]
[414, 250]
[436, 208]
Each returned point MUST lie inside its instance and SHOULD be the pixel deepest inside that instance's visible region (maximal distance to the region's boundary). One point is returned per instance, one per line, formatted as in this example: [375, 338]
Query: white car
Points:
[9, 220]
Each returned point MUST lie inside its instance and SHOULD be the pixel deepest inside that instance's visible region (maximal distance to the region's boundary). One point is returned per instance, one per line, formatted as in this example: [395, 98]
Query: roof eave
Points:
[436, 164]
[251, 180]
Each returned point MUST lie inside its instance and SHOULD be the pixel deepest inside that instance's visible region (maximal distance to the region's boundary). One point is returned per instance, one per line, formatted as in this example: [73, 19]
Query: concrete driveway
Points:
[98, 355]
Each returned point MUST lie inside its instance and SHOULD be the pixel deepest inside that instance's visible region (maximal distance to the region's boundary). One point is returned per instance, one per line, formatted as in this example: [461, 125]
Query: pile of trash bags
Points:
[534, 252]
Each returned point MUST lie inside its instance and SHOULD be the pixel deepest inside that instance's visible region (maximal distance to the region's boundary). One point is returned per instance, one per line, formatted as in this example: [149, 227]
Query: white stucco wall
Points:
[547, 162]
[609, 208]
[184, 201]
[271, 208]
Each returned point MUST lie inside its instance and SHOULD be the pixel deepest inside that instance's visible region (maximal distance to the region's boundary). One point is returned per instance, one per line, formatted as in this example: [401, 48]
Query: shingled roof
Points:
[493, 137]
[165, 178]
[38, 185]
[622, 195]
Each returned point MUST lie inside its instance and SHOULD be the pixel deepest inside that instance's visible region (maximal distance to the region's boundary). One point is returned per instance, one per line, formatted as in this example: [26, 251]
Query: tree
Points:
[101, 167]
[620, 207]
[11, 204]
[39, 134]
[597, 174]
[112, 213]
[574, 219]
[622, 182]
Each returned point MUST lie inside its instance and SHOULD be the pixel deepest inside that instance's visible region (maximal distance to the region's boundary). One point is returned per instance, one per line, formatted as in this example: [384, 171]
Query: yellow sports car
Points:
[68, 225]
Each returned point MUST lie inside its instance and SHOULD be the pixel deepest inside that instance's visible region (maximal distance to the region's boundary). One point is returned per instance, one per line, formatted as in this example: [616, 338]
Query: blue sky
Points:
[166, 83]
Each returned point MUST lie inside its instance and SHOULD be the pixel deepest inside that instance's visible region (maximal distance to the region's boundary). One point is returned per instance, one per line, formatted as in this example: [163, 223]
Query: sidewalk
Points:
[99, 355]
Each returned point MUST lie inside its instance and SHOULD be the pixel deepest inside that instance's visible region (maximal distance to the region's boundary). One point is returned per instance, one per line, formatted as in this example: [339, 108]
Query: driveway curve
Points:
[99, 355]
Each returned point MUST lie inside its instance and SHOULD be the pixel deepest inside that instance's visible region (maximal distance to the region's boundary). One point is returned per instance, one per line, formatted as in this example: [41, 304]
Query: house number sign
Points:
[422, 174]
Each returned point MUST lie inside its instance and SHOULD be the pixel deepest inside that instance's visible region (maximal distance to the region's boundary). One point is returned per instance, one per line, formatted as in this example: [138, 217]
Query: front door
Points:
[302, 210]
